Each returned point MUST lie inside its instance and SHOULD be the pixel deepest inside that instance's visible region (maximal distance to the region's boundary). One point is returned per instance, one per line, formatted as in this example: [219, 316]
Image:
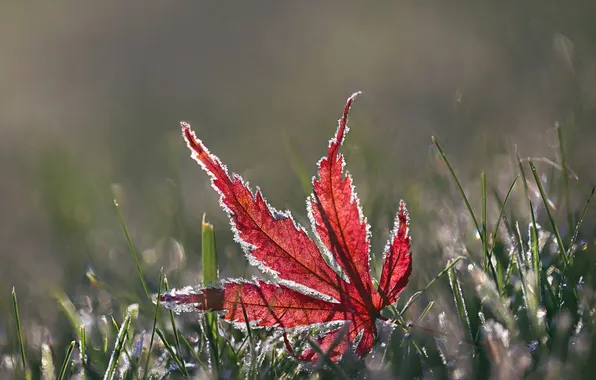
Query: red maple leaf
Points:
[313, 286]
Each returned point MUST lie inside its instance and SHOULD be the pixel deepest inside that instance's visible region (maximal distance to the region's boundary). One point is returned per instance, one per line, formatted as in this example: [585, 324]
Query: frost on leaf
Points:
[307, 291]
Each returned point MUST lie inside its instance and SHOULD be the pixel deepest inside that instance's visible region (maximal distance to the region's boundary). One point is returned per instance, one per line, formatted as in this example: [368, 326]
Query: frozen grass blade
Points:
[501, 213]
[120, 340]
[461, 190]
[17, 317]
[83, 344]
[174, 328]
[66, 360]
[535, 250]
[527, 192]
[565, 175]
[251, 342]
[196, 356]
[580, 220]
[419, 293]
[460, 303]
[562, 250]
[104, 328]
[523, 174]
[146, 369]
[48, 371]
[171, 351]
[486, 254]
[132, 249]
[209, 261]
[425, 311]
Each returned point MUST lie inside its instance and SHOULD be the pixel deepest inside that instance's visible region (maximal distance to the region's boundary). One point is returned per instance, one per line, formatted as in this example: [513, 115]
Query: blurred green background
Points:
[91, 94]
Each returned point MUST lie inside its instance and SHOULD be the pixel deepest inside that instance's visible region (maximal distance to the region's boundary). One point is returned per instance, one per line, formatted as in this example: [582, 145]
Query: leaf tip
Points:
[354, 95]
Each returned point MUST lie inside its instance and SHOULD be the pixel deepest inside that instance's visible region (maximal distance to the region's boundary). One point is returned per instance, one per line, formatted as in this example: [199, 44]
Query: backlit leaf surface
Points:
[307, 291]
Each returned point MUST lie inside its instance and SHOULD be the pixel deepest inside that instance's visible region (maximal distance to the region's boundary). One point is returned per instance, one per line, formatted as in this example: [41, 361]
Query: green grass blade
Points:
[461, 189]
[580, 220]
[210, 278]
[83, 343]
[66, 360]
[419, 293]
[175, 330]
[17, 317]
[535, 251]
[551, 218]
[517, 256]
[83, 347]
[523, 174]
[173, 354]
[486, 254]
[196, 356]
[425, 311]
[104, 329]
[209, 254]
[155, 313]
[132, 249]
[120, 340]
[251, 342]
[527, 192]
[460, 303]
[70, 310]
[501, 213]
[565, 175]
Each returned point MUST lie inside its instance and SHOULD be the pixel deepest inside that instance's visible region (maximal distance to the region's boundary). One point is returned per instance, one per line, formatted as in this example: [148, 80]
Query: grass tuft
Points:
[521, 303]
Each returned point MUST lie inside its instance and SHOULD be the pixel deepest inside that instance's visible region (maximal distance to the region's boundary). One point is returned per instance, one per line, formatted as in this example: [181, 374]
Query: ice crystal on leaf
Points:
[307, 291]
